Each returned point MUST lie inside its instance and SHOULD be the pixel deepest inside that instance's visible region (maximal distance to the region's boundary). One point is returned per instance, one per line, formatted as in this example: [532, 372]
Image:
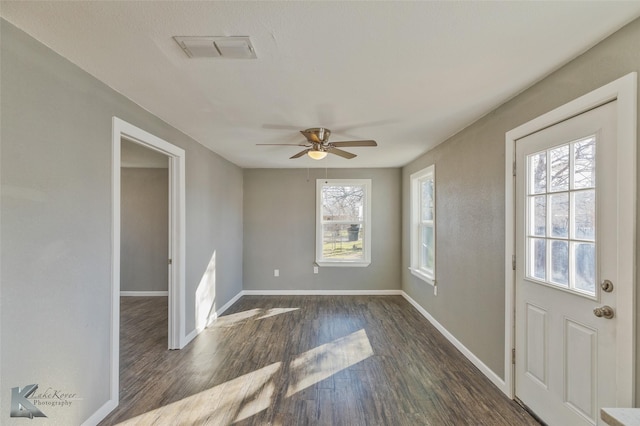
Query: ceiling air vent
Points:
[217, 47]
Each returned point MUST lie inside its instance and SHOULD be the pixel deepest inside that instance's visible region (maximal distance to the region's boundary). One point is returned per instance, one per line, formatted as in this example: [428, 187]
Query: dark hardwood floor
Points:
[302, 360]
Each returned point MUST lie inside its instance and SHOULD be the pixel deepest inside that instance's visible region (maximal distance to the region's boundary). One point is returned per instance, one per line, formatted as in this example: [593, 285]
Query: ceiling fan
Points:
[318, 145]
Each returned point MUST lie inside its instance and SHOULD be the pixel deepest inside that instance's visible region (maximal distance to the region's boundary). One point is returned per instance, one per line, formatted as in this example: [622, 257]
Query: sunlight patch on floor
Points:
[275, 311]
[235, 319]
[221, 404]
[257, 314]
[248, 395]
[324, 361]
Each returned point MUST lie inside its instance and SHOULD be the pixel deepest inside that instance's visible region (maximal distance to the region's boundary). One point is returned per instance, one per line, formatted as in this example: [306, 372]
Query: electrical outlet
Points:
[435, 290]
[315, 269]
[276, 272]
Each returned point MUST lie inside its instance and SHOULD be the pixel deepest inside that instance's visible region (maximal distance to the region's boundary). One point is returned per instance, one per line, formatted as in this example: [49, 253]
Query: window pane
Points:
[559, 215]
[538, 215]
[342, 202]
[585, 266]
[426, 199]
[538, 173]
[427, 245]
[342, 241]
[584, 212]
[559, 158]
[560, 263]
[585, 163]
[538, 263]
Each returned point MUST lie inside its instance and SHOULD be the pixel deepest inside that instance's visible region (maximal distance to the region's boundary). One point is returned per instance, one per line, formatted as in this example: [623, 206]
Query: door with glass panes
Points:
[566, 227]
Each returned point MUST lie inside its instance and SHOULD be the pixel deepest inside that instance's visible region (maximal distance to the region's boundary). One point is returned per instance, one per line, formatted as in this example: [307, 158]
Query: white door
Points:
[566, 234]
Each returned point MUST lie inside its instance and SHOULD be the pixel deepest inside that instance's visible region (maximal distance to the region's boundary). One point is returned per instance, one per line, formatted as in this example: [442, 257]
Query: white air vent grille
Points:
[217, 47]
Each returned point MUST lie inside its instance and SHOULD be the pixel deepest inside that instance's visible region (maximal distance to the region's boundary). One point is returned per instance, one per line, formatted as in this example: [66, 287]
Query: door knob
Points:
[605, 311]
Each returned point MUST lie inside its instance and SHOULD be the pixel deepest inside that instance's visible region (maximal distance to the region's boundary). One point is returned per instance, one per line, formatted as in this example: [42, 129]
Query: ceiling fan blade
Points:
[300, 154]
[341, 153]
[354, 143]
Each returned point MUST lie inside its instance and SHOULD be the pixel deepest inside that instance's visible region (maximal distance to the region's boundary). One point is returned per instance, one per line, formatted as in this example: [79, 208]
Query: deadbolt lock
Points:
[606, 286]
[605, 311]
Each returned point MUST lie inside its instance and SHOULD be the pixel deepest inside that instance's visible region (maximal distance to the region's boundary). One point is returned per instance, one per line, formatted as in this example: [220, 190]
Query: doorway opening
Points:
[175, 157]
[144, 221]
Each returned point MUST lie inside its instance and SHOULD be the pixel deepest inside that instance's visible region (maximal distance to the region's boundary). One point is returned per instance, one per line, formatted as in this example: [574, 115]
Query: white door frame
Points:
[624, 90]
[177, 334]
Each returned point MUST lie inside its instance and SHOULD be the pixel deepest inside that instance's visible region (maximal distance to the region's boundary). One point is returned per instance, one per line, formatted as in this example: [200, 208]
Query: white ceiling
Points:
[407, 74]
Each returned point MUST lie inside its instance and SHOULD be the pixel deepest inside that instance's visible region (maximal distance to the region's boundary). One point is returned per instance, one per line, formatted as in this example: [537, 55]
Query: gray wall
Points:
[470, 199]
[279, 231]
[56, 224]
[144, 229]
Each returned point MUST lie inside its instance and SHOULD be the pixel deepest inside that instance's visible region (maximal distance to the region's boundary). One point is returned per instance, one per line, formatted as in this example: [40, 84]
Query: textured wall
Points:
[144, 229]
[279, 231]
[470, 197]
[56, 224]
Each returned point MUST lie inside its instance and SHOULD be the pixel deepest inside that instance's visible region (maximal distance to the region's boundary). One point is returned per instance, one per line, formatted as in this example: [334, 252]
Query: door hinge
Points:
[170, 261]
[514, 168]
[513, 262]
[513, 356]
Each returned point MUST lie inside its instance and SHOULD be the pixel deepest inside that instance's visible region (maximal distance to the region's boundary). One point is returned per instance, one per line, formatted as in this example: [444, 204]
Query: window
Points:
[423, 224]
[343, 218]
[561, 215]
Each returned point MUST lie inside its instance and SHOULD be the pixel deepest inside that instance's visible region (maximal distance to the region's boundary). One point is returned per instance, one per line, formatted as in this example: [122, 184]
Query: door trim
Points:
[176, 292]
[624, 91]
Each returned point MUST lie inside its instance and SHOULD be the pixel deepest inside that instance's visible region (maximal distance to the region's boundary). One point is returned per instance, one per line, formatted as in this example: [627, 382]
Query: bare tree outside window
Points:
[562, 215]
[343, 221]
[342, 202]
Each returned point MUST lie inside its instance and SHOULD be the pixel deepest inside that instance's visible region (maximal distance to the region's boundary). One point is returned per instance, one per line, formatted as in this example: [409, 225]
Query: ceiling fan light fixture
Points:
[317, 155]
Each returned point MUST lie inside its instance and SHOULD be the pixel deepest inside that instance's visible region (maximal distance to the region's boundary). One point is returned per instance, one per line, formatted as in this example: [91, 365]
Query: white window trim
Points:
[320, 261]
[414, 180]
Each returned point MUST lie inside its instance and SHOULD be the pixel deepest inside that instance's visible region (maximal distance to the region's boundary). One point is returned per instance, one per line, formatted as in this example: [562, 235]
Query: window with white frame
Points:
[343, 222]
[423, 224]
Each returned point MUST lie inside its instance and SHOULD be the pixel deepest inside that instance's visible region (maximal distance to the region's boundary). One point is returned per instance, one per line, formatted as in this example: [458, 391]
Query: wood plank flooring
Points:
[302, 360]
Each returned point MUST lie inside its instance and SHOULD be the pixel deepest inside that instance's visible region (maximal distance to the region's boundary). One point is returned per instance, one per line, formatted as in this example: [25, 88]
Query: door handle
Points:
[604, 311]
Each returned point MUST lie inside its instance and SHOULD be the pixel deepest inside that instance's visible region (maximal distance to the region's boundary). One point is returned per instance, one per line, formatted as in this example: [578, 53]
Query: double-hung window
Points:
[343, 222]
[423, 224]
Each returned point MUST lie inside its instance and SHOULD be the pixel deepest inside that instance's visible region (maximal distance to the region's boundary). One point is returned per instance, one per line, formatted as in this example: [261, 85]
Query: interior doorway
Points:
[175, 261]
[144, 221]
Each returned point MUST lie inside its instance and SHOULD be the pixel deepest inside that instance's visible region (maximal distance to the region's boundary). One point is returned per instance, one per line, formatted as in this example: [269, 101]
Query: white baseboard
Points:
[499, 382]
[144, 293]
[189, 337]
[101, 413]
[226, 306]
[321, 292]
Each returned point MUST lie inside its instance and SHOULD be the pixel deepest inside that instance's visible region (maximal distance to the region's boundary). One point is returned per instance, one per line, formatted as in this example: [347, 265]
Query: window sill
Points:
[356, 264]
[424, 277]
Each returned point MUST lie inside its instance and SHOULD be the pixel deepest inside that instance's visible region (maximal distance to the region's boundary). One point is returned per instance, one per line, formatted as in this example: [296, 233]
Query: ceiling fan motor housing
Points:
[317, 134]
